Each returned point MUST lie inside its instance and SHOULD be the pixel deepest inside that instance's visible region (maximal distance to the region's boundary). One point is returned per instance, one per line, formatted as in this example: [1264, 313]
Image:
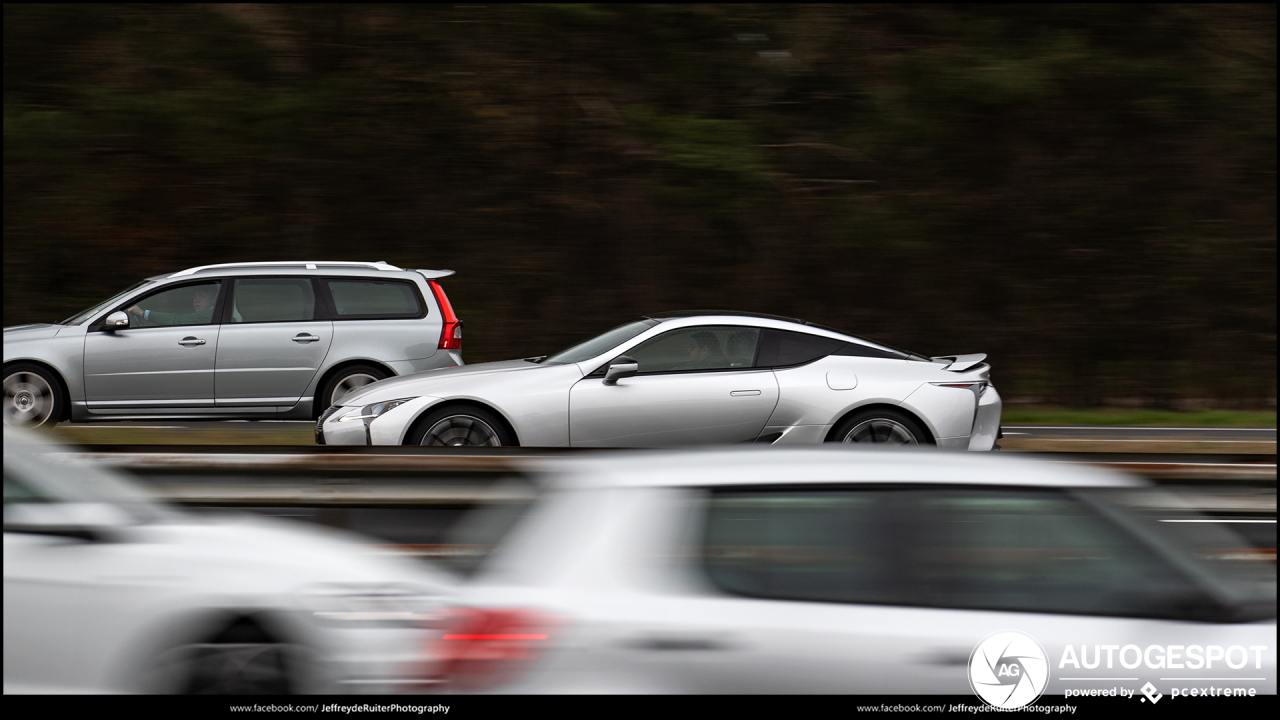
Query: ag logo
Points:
[1008, 669]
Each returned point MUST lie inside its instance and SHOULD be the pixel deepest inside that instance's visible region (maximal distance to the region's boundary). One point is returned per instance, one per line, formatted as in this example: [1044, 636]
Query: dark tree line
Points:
[1086, 193]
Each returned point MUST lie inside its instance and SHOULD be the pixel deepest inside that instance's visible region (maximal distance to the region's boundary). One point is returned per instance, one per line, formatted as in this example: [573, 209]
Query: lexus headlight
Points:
[369, 412]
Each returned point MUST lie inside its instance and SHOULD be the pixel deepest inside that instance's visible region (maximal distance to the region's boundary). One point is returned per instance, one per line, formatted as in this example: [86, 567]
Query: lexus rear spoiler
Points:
[960, 363]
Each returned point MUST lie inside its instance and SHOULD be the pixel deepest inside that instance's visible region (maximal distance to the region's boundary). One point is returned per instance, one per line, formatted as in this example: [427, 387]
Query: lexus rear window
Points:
[780, 348]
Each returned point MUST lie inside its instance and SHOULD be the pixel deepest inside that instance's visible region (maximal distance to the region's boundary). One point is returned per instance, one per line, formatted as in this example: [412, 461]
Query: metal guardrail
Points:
[293, 462]
[319, 479]
[1237, 472]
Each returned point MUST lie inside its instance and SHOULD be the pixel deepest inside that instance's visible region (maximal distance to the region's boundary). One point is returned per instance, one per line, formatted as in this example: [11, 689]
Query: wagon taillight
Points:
[451, 331]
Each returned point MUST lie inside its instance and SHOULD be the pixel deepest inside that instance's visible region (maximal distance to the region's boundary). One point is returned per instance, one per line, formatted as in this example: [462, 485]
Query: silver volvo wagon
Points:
[278, 340]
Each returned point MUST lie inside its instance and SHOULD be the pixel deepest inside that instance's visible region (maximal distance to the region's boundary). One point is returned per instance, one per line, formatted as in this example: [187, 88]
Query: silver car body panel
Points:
[147, 368]
[60, 347]
[409, 340]
[672, 409]
[986, 424]
[809, 400]
[120, 384]
[270, 364]
[562, 404]
[534, 399]
[797, 434]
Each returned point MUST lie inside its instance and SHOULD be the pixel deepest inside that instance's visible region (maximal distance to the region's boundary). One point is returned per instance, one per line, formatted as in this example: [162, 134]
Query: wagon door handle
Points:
[190, 341]
[304, 338]
[741, 393]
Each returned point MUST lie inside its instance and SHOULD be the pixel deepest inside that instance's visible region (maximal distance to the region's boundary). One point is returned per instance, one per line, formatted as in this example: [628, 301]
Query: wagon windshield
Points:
[86, 314]
[601, 343]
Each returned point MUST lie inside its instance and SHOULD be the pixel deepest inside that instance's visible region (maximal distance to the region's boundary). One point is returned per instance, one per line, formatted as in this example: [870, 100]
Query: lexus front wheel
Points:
[461, 427]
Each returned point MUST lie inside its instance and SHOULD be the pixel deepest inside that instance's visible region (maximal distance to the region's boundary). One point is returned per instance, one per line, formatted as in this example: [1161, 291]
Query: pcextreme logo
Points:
[1008, 669]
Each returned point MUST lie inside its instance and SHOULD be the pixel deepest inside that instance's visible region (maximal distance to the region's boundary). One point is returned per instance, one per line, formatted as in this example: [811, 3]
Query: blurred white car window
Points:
[1003, 549]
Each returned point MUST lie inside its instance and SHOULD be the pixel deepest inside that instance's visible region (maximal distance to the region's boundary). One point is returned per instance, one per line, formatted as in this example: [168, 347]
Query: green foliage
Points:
[1086, 193]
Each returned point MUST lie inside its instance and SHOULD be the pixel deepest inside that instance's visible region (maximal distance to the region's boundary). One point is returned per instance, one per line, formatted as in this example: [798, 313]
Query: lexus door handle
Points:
[741, 393]
[304, 338]
[190, 341]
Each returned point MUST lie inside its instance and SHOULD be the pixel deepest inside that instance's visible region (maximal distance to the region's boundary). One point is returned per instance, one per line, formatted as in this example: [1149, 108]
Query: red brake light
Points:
[482, 648]
[451, 332]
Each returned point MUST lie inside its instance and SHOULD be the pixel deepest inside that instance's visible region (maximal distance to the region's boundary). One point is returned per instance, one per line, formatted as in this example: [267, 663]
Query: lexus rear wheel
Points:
[461, 427]
[32, 396]
[880, 428]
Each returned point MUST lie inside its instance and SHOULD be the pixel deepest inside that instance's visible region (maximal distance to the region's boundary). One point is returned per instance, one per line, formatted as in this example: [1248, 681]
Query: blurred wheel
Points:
[243, 660]
[347, 381]
[32, 396]
[460, 427]
[881, 427]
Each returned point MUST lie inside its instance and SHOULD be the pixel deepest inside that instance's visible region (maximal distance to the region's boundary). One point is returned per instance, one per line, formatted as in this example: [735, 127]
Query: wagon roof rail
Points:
[305, 264]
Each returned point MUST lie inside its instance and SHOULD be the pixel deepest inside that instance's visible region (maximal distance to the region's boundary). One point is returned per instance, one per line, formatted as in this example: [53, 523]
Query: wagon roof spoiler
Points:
[960, 363]
[434, 274]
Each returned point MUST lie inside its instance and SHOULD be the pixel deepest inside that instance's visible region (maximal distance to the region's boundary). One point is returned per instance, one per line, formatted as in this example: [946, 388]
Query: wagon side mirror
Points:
[118, 320]
[620, 367]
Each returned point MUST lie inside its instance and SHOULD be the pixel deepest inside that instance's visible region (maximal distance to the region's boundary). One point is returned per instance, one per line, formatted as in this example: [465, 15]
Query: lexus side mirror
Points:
[621, 367]
[118, 320]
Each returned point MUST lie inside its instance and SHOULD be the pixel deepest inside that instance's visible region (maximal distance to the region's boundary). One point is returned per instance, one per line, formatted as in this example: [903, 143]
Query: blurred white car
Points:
[831, 570]
[107, 591]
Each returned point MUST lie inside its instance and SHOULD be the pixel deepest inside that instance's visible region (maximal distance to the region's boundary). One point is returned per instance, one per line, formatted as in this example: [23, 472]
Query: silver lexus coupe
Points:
[685, 379]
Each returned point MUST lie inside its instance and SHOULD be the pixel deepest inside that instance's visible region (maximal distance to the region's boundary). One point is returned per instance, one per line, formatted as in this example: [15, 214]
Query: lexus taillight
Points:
[483, 648]
[451, 332]
[974, 386]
